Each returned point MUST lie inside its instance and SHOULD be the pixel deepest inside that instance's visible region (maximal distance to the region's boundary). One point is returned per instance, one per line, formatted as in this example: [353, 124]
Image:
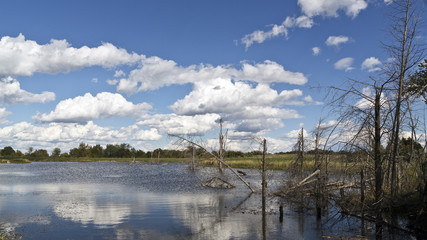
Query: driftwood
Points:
[218, 183]
[216, 157]
[310, 179]
[304, 182]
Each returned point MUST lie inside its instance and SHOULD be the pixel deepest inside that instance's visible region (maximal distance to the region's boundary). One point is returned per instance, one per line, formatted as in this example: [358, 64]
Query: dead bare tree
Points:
[299, 149]
[405, 53]
[222, 142]
[367, 113]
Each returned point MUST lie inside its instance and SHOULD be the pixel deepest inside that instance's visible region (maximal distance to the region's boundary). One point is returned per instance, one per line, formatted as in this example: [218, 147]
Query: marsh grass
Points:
[14, 160]
[336, 163]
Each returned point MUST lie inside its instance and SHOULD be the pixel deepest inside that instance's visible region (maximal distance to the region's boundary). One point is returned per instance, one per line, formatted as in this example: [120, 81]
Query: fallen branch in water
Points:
[218, 183]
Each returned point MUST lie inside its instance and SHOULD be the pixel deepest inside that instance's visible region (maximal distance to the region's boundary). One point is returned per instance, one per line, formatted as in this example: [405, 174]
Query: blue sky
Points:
[105, 72]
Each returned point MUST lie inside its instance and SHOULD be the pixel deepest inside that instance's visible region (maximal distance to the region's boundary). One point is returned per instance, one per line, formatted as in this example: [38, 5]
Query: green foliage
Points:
[81, 151]
[7, 152]
[417, 84]
[405, 148]
[40, 154]
[56, 152]
[19, 153]
[96, 151]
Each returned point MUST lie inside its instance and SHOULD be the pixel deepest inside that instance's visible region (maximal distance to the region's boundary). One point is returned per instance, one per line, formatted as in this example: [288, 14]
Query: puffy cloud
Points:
[344, 64]
[22, 135]
[371, 64]
[84, 108]
[259, 36]
[175, 124]
[11, 93]
[316, 51]
[269, 72]
[254, 108]
[3, 114]
[336, 40]
[330, 8]
[19, 56]
[224, 96]
[155, 73]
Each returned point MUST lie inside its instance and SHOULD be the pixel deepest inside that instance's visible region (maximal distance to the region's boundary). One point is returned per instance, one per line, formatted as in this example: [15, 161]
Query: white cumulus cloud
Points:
[330, 8]
[240, 102]
[344, 64]
[336, 40]
[11, 93]
[19, 56]
[176, 124]
[155, 73]
[371, 64]
[85, 108]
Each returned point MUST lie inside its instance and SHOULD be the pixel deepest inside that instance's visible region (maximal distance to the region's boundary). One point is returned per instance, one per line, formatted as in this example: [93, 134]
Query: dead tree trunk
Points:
[221, 146]
[264, 184]
[378, 164]
[300, 154]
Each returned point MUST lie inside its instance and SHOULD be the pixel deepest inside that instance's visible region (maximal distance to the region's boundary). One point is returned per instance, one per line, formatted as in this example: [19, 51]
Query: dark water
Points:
[108, 200]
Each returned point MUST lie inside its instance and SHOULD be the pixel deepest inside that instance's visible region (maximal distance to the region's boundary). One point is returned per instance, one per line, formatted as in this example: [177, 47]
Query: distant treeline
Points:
[125, 150]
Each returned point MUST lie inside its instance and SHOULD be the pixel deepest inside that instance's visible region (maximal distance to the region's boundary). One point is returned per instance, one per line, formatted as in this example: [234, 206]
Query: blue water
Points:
[109, 200]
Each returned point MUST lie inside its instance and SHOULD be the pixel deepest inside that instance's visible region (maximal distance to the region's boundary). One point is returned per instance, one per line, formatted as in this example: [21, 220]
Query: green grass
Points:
[18, 160]
[280, 162]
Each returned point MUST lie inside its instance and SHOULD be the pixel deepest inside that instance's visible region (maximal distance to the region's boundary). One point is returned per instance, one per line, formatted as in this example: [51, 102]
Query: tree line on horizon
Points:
[125, 150]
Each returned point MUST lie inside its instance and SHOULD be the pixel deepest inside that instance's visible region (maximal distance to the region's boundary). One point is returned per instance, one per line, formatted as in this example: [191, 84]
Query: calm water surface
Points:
[108, 200]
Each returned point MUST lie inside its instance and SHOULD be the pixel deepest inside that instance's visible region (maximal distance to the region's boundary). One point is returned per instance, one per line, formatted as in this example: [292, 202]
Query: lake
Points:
[111, 200]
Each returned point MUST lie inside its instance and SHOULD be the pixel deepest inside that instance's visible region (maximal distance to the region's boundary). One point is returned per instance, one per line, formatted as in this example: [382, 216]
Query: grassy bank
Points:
[18, 160]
